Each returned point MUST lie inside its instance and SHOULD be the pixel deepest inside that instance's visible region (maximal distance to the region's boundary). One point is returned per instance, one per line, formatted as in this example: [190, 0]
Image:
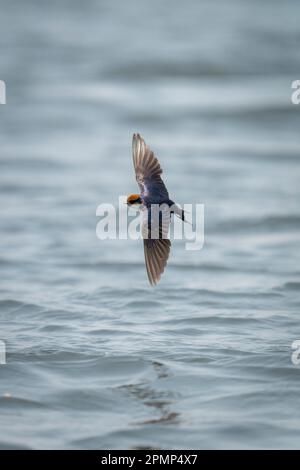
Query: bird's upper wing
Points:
[147, 170]
[155, 228]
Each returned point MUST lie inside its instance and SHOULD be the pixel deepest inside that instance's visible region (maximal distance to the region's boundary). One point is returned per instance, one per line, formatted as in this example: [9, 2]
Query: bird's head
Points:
[134, 200]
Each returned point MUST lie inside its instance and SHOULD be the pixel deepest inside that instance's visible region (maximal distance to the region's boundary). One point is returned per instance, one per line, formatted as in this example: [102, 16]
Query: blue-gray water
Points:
[95, 357]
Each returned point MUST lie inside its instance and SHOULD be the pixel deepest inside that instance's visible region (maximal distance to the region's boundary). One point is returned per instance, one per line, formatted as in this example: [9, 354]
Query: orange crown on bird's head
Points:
[134, 199]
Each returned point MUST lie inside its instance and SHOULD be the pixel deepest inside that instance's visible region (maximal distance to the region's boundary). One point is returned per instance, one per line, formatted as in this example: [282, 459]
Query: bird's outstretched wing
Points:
[155, 228]
[147, 171]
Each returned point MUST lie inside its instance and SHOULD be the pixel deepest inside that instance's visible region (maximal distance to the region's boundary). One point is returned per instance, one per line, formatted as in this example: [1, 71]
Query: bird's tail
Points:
[180, 212]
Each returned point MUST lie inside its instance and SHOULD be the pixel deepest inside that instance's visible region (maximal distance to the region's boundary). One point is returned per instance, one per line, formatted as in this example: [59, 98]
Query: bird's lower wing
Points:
[155, 228]
[156, 257]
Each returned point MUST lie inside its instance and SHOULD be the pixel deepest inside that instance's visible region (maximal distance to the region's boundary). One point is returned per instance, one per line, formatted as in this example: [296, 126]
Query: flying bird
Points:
[153, 194]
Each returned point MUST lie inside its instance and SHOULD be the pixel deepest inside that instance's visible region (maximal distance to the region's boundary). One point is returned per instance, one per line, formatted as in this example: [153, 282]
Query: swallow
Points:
[153, 191]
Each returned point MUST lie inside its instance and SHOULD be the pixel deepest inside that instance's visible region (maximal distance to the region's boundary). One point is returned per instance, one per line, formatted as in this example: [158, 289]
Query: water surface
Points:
[95, 357]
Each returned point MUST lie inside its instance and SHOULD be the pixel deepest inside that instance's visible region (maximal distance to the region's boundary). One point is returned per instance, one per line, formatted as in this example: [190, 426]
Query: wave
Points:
[12, 306]
[268, 223]
[13, 446]
[292, 285]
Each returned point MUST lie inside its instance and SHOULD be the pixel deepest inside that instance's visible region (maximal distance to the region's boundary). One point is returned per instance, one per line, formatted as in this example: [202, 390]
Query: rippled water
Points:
[95, 357]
